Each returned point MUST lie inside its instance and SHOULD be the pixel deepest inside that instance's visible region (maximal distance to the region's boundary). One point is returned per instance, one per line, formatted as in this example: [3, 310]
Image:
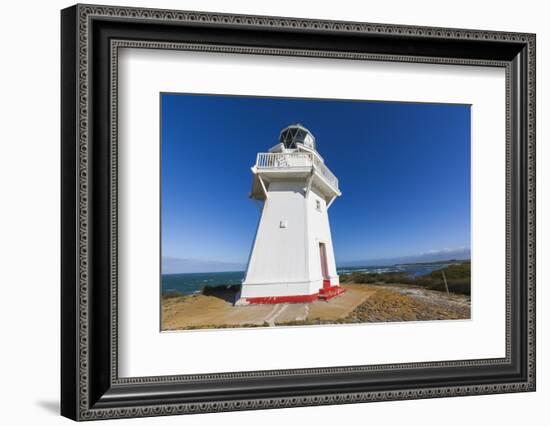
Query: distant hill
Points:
[174, 265]
[434, 256]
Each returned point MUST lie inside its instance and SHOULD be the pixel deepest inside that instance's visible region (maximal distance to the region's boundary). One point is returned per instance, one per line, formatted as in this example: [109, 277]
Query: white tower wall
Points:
[277, 264]
[285, 258]
[319, 231]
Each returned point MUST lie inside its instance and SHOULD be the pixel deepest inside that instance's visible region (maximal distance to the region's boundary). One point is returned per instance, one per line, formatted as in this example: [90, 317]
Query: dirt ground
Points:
[360, 303]
[405, 303]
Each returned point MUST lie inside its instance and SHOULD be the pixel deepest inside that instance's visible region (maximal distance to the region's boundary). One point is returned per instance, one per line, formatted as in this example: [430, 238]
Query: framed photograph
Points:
[263, 212]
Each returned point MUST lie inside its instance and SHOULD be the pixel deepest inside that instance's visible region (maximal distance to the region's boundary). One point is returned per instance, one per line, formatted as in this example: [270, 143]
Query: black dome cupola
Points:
[296, 133]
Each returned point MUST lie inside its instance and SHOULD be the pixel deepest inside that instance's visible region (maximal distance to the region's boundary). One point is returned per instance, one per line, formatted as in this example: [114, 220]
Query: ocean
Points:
[190, 283]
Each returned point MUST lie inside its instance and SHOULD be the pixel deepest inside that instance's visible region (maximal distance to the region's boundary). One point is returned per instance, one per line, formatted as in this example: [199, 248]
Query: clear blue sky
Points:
[404, 172]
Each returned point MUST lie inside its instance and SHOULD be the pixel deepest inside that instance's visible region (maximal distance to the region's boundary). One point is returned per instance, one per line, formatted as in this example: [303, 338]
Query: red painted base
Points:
[326, 293]
[330, 292]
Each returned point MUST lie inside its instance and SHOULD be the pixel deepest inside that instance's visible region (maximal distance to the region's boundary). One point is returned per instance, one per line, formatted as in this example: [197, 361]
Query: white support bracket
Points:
[263, 186]
[309, 180]
[331, 201]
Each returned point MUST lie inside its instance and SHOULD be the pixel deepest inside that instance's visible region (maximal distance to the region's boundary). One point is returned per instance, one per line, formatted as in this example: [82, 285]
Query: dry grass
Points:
[361, 303]
[401, 304]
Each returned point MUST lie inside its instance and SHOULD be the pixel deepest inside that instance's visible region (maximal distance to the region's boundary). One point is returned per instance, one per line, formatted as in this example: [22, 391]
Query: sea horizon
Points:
[187, 283]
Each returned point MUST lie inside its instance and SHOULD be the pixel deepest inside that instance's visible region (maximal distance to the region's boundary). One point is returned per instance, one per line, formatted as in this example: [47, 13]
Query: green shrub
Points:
[457, 274]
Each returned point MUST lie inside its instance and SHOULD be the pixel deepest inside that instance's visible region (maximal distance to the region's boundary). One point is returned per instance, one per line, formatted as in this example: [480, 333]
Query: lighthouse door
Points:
[324, 265]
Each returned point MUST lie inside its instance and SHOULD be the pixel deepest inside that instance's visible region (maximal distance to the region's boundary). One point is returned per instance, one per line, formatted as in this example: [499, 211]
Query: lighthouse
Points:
[292, 258]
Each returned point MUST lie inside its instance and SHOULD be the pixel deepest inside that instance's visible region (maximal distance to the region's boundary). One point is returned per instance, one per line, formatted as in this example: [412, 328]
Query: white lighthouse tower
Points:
[292, 259]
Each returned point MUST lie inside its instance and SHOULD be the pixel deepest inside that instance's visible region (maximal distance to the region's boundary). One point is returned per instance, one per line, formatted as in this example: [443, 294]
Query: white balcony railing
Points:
[268, 160]
[325, 171]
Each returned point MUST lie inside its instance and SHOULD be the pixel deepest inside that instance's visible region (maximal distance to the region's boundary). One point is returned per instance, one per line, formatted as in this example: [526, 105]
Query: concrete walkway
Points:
[200, 311]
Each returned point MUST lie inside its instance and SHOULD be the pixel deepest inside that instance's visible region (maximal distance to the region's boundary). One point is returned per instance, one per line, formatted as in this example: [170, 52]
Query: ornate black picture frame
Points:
[90, 38]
